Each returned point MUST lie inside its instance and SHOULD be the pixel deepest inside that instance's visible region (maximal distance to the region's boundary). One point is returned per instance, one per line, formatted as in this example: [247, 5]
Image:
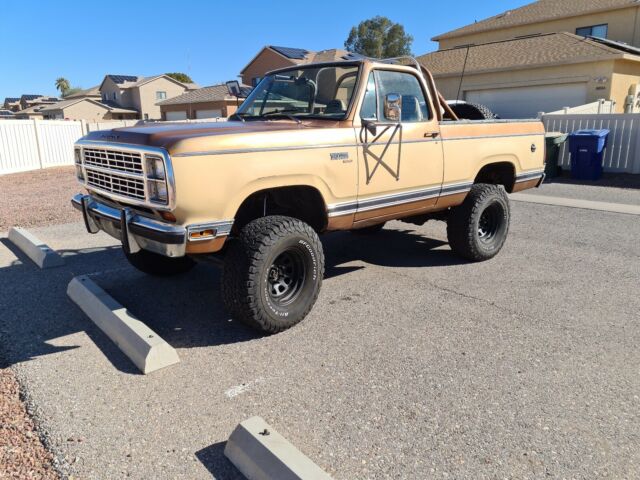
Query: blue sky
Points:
[83, 40]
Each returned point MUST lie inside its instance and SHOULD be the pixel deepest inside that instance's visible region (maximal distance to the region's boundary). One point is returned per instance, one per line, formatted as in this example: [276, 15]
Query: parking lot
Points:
[413, 363]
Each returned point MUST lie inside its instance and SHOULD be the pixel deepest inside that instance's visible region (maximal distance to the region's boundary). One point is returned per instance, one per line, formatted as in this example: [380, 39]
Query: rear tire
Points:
[478, 228]
[272, 274]
[159, 265]
[373, 229]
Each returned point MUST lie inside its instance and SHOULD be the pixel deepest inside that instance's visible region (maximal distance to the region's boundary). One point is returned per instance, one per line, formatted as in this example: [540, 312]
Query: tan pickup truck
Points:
[314, 148]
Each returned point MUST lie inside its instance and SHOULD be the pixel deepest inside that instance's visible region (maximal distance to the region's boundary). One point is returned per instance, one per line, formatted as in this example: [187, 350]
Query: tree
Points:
[71, 91]
[379, 37]
[181, 77]
[63, 85]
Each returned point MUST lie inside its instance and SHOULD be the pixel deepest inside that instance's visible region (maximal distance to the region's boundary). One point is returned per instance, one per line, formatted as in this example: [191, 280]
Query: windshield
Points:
[323, 92]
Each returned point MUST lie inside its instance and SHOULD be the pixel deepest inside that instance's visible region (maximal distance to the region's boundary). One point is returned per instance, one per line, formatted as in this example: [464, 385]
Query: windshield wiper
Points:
[283, 113]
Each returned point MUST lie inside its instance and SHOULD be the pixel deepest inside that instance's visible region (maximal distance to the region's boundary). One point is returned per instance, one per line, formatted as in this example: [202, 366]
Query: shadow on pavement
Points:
[212, 457]
[611, 180]
[186, 311]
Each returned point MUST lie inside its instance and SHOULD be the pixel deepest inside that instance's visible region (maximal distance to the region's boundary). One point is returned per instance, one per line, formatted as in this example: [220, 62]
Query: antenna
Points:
[464, 68]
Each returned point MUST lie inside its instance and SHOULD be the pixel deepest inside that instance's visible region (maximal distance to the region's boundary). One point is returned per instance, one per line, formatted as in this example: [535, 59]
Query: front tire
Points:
[159, 265]
[478, 228]
[273, 273]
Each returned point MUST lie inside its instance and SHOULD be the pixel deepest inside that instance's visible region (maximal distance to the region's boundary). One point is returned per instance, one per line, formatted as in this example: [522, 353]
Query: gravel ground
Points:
[22, 455]
[413, 364]
[40, 197]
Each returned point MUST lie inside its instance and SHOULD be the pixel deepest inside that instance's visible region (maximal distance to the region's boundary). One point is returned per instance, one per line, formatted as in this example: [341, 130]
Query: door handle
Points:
[431, 134]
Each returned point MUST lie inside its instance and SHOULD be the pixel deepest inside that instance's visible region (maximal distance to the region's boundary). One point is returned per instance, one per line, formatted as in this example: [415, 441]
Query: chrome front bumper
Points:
[139, 232]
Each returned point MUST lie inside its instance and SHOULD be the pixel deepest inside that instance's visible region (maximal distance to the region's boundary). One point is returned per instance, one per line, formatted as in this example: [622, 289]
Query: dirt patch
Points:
[37, 198]
[22, 454]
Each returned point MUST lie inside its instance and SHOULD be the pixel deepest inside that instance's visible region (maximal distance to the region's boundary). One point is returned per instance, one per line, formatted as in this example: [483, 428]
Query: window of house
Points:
[114, 96]
[255, 81]
[146, 116]
[161, 95]
[593, 31]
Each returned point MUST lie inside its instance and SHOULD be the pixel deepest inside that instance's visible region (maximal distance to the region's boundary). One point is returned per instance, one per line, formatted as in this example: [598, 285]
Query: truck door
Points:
[401, 160]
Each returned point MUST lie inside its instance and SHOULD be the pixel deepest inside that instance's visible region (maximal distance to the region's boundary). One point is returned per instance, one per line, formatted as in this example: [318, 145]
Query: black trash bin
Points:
[587, 150]
[554, 141]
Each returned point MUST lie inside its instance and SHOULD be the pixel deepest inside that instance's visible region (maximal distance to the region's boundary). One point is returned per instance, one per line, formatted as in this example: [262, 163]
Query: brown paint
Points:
[342, 222]
[519, 186]
[206, 246]
[448, 201]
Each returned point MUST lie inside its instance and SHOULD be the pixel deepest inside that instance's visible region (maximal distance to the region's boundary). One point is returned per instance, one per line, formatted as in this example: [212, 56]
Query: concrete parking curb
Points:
[36, 250]
[578, 203]
[261, 453]
[146, 349]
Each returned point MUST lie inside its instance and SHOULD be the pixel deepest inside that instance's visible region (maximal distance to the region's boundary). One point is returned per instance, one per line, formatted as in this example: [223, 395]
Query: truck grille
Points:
[130, 162]
[118, 184]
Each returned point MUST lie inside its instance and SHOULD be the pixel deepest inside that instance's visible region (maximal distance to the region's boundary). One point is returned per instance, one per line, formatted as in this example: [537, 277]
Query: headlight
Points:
[158, 191]
[77, 153]
[155, 168]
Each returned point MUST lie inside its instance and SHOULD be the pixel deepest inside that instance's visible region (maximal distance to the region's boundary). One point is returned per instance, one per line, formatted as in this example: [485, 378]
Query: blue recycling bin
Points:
[587, 150]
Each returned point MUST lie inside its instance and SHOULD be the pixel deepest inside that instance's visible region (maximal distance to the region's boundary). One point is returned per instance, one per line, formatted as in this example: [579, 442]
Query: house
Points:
[206, 102]
[272, 57]
[33, 100]
[6, 114]
[30, 113]
[11, 103]
[544, 56]
[84, 108]
[140, 93]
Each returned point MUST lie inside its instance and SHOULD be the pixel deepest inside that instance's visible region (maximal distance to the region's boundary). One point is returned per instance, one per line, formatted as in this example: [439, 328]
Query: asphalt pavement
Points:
[413, 364]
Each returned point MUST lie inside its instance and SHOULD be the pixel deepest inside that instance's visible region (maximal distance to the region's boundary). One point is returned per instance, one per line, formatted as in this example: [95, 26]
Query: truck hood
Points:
[188, 137]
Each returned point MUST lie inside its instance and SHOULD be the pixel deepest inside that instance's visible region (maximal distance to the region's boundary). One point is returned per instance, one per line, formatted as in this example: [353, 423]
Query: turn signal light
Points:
[168, 216]
[199, 235]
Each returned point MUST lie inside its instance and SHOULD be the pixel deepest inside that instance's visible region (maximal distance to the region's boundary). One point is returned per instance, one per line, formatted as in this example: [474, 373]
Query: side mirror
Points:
[393, 107]
[371, 126]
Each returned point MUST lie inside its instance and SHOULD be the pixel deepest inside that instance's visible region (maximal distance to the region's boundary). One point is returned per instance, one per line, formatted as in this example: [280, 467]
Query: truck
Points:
[314, 148]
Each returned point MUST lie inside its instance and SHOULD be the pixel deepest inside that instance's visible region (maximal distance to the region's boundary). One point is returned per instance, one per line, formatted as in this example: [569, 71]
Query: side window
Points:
[369, 106]
[414, 104]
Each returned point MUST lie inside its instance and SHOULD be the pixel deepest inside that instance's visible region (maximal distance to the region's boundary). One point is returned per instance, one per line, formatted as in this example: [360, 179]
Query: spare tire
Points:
[472, 111]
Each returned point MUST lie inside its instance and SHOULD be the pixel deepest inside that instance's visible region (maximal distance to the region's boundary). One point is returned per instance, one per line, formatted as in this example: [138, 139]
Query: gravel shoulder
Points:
[22, 454]
[40, 197]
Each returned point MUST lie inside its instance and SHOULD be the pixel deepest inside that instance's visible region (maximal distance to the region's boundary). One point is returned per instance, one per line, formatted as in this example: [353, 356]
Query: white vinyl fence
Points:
[34, 144]
[623, 147]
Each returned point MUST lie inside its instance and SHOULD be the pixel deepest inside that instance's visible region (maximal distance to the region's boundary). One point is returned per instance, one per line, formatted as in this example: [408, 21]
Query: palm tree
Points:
[63, 85]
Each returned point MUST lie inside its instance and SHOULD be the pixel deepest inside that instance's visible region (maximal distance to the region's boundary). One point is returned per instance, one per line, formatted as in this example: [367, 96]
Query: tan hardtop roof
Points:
[539, 11]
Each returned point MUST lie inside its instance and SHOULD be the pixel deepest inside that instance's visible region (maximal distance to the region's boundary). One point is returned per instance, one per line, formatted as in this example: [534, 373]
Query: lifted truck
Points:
[314, 148]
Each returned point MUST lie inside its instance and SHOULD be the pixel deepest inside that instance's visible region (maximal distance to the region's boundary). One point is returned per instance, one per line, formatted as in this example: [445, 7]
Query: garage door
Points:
[208, 113]
[526, 102]
[176, 116]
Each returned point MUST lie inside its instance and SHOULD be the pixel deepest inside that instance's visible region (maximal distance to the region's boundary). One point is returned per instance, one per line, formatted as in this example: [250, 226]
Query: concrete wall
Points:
[624, 26]
[265, 61]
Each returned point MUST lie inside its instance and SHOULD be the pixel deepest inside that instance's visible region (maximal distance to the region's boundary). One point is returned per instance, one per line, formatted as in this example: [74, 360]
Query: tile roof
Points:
[520, 52]
[64, 104]
[214, 93]
[539, 11]
[6, 113]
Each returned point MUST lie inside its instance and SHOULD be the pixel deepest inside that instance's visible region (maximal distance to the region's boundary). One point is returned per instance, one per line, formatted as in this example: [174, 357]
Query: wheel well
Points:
[302, 202]
[503, 173]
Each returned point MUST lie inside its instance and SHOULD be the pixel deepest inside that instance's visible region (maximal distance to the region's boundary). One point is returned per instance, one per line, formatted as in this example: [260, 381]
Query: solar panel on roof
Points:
[293, 53]
[118, 79]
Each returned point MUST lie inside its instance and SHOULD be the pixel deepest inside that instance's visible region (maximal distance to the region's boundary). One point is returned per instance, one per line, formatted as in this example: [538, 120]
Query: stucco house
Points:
[140, 93]
[206, 102]
[272, 57]
[543, 56]
[84, 108]
[11, 103]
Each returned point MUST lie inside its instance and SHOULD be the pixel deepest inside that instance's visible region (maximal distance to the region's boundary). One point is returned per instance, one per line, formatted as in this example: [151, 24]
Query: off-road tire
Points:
[159, 265]
[478, 228]
[373, 229]
[473, 111]
[254, 260]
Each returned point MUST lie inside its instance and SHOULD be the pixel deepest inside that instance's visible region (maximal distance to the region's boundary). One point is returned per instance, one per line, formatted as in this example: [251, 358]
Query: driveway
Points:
[413, 364]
